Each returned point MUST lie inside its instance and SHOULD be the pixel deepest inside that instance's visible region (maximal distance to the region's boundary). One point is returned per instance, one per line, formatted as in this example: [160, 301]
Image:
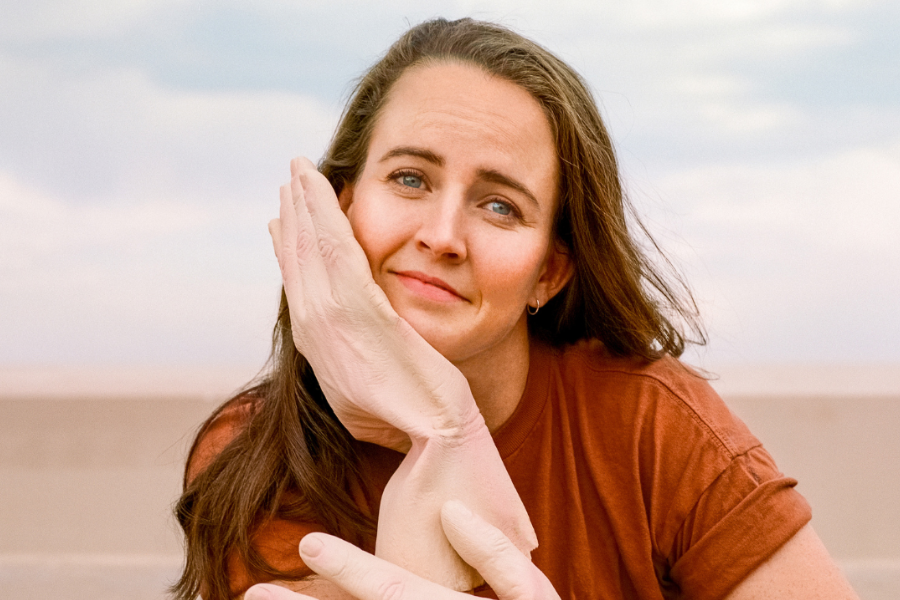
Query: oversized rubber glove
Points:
[511, 575]
[387, 385]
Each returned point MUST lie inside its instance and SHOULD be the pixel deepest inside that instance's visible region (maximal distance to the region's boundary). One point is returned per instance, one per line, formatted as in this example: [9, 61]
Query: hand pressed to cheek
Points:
[343, 323]
[387, 385]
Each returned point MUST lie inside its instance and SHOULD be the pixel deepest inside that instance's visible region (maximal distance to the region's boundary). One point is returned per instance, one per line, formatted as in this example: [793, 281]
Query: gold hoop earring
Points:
[536, 308]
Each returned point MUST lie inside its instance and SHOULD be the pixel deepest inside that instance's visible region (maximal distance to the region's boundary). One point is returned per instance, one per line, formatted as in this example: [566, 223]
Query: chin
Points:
[444, 338]
[447, 346]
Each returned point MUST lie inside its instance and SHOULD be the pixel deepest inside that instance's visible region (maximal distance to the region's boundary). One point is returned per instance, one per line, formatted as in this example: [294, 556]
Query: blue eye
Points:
[411, 181]
[501, 208]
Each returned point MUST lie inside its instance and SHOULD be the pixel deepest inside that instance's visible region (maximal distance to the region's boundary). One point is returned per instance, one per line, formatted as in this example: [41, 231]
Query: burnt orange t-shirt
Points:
[639, 481]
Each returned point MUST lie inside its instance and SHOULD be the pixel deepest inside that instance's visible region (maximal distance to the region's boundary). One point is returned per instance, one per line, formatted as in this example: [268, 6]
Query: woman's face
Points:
[454, 207]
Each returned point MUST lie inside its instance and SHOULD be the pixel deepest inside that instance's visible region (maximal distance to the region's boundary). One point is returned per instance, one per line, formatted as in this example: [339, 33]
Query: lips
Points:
[422, 278]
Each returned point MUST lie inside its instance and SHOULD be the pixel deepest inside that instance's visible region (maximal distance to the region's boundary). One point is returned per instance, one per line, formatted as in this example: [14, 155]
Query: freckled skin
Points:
[450, 226]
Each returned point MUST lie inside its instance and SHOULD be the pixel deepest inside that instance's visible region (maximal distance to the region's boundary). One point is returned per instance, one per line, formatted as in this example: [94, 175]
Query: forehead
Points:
[461, 111]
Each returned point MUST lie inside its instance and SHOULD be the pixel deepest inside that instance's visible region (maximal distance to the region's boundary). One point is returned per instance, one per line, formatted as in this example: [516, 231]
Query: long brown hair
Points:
[294, 459]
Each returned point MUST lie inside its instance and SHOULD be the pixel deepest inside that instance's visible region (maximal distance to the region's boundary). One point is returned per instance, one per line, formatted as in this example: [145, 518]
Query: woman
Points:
[482, 189]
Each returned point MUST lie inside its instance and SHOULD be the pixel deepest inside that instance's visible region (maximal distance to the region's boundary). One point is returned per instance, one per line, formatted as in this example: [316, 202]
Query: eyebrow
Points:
[489, 175]
[413, 151]
[493, 176]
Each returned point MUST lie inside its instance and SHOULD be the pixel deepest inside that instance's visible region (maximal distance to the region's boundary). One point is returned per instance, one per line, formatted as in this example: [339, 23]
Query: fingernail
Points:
[311, 546]
[258, 592]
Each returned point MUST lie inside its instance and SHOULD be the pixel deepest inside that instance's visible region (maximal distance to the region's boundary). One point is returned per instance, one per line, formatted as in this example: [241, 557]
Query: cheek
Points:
[378, 228]
[512, 269]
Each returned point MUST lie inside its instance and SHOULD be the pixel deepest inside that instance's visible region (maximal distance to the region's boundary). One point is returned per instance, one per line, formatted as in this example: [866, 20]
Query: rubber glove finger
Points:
[312, 271]
[275, 234]
[264, 591]
[510, 573]
[364, 575]
[286, 251]
[344, 258]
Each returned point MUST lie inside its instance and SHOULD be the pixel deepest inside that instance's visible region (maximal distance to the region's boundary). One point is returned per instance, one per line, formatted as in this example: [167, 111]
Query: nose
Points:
[442, 230]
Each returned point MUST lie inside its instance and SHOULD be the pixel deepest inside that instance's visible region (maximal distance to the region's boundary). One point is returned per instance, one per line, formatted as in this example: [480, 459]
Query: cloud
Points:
[132, 215]
[36, 227]
[119, 135]
[151, 281]
[844, 203]
[141, 146]
[795, 261]
[85, 19]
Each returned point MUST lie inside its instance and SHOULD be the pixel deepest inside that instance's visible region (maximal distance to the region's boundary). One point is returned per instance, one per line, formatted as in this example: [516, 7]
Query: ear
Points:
[558, 270]
[345, 198]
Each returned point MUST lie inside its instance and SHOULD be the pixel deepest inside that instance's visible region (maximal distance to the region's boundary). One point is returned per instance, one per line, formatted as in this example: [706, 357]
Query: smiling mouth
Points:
[422, 282]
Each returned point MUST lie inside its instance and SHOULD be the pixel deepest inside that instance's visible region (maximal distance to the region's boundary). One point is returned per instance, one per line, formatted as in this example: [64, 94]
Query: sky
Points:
[142, 144]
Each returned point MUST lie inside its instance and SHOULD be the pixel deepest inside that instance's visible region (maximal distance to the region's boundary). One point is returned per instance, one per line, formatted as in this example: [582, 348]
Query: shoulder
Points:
[664, 398]
[589, 360]
[670, 462]
[219, 430]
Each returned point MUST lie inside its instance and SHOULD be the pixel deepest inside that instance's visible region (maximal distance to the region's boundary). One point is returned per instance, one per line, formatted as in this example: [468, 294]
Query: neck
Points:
[497, 377]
